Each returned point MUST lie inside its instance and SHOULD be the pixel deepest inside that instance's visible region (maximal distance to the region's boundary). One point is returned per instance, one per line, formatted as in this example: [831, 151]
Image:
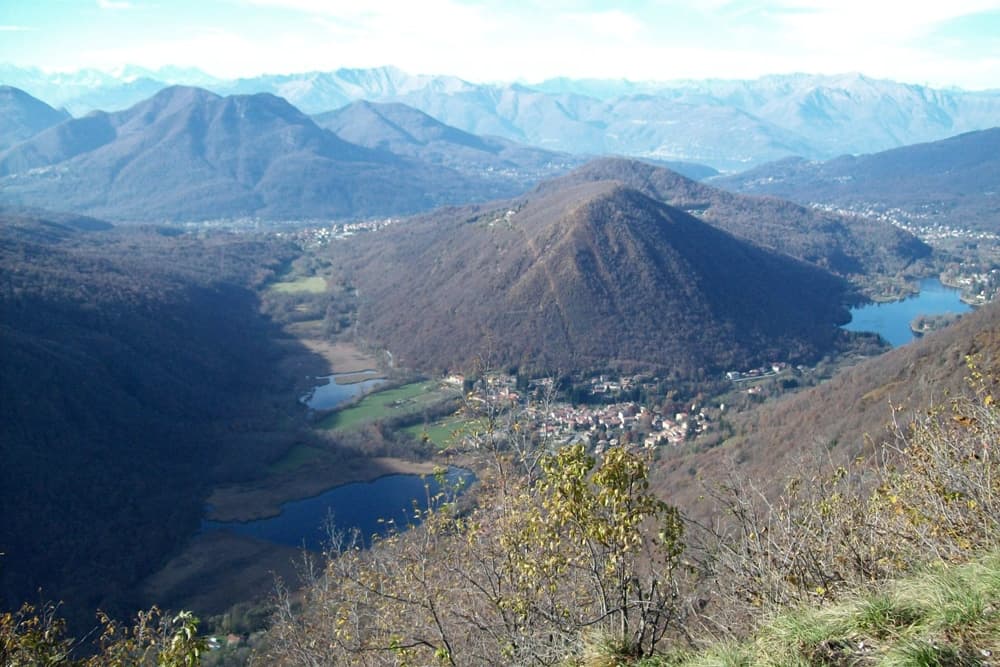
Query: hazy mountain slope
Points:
[87, 90]
[833, 421]
[834, 114]
[404, 130]
[22, 116]
[952, 181]
[845, 245]
[187, 153]
[730, 124]
[585, 276]
[644, 126]
[724, 123]
[695, 130]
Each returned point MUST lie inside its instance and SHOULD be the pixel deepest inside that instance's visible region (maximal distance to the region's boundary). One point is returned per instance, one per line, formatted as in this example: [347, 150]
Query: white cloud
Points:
[114, 4]
[613, 23]
[854, 21]
[217, 52]
[497, 40]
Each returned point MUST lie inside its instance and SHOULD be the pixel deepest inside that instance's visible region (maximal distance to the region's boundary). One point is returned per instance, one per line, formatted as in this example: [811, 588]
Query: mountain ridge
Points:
[404, 130]
[588, 275]
[23, 116]
[814, 116]
[187, 153]
[951, 181]
[842, 244]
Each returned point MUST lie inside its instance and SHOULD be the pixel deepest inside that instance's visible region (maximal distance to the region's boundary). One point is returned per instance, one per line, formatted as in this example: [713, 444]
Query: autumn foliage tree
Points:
[529, 575]
[37, 636]
[929, 494]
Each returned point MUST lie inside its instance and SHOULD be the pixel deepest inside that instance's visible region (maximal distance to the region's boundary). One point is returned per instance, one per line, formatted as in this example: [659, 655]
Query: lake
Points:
[366, 506]
[330, 394]
[892, 320]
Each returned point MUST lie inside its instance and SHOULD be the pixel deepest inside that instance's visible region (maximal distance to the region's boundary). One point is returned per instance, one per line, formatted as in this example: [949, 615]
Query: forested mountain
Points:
[136, 373]
[188, 154]
[952, 181]
[403, 130]
[843, 244]
[22, 116]
[584, 276]
[729, 124]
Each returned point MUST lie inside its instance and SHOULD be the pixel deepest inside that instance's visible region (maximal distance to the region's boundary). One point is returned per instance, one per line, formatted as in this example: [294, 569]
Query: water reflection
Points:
[892, 320]
[330, 393]
[367, 506]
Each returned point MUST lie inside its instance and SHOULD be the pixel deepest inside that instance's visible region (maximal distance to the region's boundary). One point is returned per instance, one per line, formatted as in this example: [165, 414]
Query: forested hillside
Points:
[135, 366]
[839, 419]
[951, 181]
[585, 276]
[845, 245]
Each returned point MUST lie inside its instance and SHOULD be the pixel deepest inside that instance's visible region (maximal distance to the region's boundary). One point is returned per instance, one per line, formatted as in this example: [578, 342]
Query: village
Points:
[598, 425]
[318, 236]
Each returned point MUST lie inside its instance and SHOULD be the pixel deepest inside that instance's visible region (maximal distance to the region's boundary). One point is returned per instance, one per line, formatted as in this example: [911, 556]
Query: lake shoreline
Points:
[375, 507]
[263, 499]
[892, 320]
[347, 379]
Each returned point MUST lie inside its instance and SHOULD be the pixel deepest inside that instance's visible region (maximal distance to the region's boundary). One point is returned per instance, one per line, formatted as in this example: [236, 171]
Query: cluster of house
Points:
[604, 426]
[598, 426]
[770, 370]
[603, 385]
[917, 224]
[319, 236]
[978, 286]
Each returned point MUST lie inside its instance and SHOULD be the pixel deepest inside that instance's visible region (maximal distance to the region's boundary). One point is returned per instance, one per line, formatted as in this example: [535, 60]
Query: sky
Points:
[943, 43]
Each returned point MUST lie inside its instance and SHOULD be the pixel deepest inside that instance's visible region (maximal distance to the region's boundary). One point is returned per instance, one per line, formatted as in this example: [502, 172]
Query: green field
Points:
[312, 285]
[405, 400]
[444, 431]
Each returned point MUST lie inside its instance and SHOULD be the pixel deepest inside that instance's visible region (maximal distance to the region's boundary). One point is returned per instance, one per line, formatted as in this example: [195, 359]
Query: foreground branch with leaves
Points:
[930, 494]
[585, 549]
[30, 637]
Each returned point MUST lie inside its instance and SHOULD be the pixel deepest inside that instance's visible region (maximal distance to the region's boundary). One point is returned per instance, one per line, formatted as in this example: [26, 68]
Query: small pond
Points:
[330, 394]
[892, 320]
[367, 506]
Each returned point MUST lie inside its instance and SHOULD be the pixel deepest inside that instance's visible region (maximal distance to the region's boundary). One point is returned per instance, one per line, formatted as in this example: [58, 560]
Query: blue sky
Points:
[942, 43]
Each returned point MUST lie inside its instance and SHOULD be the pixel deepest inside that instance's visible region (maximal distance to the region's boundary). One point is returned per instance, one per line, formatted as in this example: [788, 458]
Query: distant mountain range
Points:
[585, 274]
[730, 125]
[955, 181]
[189, 154]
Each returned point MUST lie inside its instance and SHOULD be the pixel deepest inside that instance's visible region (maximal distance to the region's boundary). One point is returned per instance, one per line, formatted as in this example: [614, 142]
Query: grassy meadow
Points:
[397, 402]
[310, 285]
